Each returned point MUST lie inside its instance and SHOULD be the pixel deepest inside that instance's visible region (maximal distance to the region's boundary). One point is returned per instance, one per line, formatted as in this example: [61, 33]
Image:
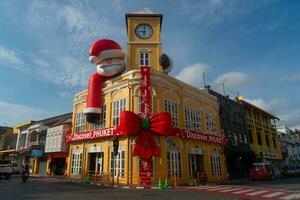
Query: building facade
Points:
[56, 148]
[239, 156]
[194, 113]
[288, 145]
[261, 128]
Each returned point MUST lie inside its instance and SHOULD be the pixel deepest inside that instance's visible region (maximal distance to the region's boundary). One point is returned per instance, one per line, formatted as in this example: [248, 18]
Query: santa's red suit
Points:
[109, 58]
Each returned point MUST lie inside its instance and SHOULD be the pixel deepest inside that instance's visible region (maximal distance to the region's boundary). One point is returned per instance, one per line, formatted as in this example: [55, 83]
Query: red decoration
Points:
[132, 124]
[145, 91]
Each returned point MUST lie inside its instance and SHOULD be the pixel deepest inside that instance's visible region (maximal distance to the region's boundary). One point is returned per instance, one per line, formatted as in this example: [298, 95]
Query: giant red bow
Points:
[145, 147]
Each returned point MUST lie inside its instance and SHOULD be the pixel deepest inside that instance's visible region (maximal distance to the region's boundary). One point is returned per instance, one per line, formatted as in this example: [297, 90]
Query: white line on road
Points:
[243, 191]
[231, 190]
[291, 197]
[273, 194]
[219, 188]
[257, 192]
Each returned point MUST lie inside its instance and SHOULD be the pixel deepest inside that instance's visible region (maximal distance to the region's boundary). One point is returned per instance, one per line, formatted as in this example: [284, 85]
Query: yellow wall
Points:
[263, 125]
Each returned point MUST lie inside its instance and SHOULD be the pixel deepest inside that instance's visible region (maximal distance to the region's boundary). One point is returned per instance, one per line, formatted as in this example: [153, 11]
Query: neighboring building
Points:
[56, 147]
[31, 143]
[261, 128]
[239, 156]
[288, 145]
[191, 109]
[7, 142]
[296, 136]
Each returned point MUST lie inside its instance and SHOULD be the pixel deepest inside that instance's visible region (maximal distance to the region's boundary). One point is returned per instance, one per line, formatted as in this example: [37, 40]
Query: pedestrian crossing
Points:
[249, 192]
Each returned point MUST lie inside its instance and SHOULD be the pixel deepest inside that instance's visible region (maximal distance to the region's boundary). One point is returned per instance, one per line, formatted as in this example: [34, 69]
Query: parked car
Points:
[6, 169]
[291, 171]
[261, 171]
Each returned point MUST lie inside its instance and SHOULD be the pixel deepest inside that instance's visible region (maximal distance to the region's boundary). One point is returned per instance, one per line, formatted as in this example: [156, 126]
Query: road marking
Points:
[257, 192]
[243, 191]
[291, 197]
[219, 188]
[231, 190]
[273, 194]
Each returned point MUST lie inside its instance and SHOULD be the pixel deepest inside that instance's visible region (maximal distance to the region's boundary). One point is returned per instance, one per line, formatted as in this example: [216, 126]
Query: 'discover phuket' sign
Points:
[112, 131]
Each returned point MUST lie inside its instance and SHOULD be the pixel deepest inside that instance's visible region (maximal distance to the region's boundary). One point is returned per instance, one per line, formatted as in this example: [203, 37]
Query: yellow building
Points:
[261, 127]
[191, 110]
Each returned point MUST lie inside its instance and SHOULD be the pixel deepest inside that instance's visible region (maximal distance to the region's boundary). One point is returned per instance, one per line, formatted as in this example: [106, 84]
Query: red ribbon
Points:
[145, 146]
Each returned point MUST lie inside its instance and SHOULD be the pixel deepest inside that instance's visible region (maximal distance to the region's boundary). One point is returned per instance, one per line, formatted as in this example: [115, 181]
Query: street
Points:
[47, 188]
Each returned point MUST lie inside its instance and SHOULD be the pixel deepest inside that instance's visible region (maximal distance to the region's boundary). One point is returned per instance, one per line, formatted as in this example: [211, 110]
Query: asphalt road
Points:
[41, 189]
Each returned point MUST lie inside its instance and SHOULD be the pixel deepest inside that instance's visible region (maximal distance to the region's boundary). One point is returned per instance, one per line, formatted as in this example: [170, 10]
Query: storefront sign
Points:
[145, 91]
[201, 137]
[37, 153]
[92, 134]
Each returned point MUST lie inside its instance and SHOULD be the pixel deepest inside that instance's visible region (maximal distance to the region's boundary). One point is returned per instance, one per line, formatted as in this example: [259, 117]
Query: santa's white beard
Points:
[111, 69]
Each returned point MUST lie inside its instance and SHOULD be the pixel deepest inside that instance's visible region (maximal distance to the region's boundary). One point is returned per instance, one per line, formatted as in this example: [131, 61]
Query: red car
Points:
[261, 171]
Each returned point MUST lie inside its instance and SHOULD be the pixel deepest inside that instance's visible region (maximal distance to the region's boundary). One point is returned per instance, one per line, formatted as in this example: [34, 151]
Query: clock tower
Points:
[144, 44]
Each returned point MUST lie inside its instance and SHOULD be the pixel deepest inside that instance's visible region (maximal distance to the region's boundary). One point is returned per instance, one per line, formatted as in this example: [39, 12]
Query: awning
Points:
[7, 151]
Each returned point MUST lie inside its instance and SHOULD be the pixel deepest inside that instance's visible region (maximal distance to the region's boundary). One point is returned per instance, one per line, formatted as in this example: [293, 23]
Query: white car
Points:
[6, 169]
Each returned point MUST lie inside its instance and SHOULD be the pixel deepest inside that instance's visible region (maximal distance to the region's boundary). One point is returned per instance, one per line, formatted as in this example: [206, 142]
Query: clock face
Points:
[144, 31]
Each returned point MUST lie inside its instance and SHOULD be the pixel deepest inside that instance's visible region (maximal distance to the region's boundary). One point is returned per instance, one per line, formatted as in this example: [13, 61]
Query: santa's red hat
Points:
[104, 49]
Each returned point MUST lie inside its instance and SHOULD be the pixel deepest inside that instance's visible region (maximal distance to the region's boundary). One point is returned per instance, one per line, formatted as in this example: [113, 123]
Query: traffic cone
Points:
[166, 183]
[159, 184]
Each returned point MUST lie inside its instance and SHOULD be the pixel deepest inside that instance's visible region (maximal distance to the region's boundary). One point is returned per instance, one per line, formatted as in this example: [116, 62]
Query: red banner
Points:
[145, 91]
[110, 132]
[146, 111]
[92, 134]
[206, 138]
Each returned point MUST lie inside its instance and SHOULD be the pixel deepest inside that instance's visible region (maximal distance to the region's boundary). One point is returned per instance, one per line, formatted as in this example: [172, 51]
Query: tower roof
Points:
[144, 12]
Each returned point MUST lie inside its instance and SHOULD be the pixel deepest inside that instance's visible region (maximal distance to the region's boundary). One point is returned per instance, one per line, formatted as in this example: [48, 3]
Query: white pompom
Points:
[93, 59]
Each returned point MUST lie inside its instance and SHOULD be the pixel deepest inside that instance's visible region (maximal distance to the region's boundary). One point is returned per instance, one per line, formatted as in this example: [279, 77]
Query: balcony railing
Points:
[249, 120]
[258, 123]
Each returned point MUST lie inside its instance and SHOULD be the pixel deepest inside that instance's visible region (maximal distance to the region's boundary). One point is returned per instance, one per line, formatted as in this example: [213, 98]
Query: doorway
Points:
[96, 162]
[196, 163]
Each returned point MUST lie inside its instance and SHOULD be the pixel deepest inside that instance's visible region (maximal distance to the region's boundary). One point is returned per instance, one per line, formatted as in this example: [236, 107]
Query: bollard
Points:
[166, 183]
[159, 184]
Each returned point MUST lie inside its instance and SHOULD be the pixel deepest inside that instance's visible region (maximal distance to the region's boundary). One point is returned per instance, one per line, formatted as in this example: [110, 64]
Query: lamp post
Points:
[115, 153]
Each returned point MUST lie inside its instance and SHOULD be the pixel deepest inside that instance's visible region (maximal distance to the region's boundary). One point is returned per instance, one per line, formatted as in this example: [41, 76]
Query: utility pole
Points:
[223, 89]
[203, 79]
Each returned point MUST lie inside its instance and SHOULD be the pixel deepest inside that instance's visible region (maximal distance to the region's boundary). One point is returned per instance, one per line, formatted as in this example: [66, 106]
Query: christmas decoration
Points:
[109, 58]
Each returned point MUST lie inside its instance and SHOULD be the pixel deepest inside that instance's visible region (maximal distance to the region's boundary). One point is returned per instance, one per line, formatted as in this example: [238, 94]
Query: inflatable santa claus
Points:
[109, 58]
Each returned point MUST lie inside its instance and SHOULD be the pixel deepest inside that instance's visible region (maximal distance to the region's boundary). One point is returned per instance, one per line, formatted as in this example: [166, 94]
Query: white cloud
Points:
[64, 61]
[234, 79]
[193, 74]
[273, 105]
[12, 113]
[10, 57]
[291, 118]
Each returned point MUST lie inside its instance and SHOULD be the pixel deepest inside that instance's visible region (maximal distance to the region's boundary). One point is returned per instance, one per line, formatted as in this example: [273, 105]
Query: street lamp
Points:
[115, 153]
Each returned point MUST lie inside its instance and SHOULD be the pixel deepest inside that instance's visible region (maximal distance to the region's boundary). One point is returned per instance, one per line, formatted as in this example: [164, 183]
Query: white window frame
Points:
[216, 166]
[119, 165]
[144, 58]
[80, 122]
[192, 119]
[211, 125]
[76, 166]
[118, 106]
[102, 121]
[172, 108]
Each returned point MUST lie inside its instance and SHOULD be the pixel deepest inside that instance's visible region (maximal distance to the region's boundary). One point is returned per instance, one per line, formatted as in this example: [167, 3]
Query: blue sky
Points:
[250, 46]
